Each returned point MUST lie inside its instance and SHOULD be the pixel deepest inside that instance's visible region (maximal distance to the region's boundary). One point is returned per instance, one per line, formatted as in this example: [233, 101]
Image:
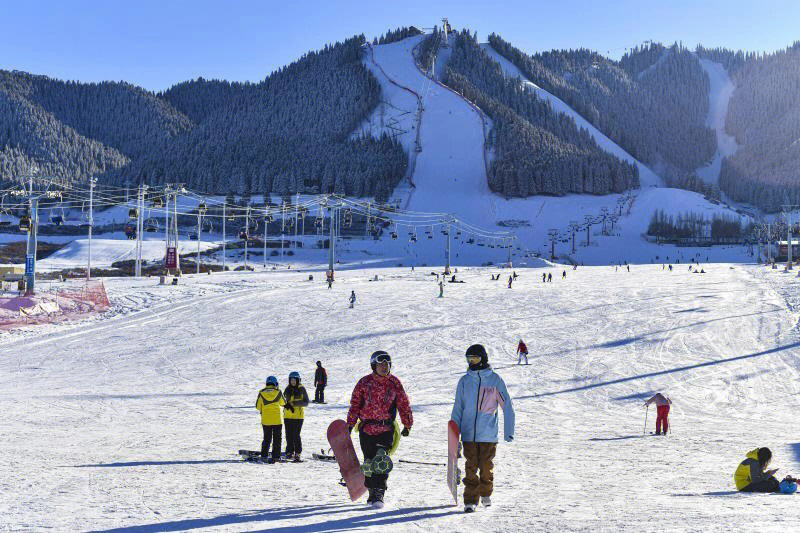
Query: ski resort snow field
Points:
[131, 421]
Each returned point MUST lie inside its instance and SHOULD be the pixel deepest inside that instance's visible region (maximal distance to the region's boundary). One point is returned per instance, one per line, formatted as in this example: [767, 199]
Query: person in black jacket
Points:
[320, 381]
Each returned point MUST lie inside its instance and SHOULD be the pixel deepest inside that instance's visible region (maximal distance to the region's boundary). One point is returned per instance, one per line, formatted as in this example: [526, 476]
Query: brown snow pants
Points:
[478, 455]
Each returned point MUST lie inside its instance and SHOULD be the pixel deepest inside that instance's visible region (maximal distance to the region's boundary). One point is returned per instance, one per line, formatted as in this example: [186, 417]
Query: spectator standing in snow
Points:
[662, 412]
[510, 281]
[320, 382]
[352, 299]
[269, 403]
[296, 399]
[441, 289]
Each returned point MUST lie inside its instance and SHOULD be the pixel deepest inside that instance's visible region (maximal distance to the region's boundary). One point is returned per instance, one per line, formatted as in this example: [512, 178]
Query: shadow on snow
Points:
[366, 520]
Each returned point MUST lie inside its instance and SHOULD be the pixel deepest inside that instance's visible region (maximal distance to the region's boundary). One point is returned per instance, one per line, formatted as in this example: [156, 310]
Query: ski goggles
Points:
[473, 359]
[381, 357]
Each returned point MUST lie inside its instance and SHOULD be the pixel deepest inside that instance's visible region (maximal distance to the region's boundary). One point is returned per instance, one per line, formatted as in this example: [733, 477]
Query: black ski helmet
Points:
[480, 351]
[294, 375]
[380, 357]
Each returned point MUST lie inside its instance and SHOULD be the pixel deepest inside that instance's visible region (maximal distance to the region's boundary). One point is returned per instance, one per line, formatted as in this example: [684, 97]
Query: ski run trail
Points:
[131, 421]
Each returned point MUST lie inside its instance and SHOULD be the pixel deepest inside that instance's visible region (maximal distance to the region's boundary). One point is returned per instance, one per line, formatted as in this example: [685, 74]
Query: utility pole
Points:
[139, 228]
[201, 209]
[283, 225]
[224, 251]
[92, 182]
[332, 244]
[588, 219]
[552, 234]
[246, 234]
[30, 264]
[447, 266]
[165, 205]
[787, 210]
[266, 225]
[297, 201]
[509, 252]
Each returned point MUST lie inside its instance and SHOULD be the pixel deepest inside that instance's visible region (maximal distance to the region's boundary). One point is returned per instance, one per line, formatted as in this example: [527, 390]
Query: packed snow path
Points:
[719, 95]
[132, 422]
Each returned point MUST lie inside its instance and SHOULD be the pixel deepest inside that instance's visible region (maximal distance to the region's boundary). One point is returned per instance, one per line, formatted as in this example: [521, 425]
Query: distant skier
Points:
[563, 274]
[441, 289]
[750, 475]
[376, 400]
[628, 267]
[478, 395]
[269, 403]
[544, 277]
[352, 299]
[510, 281]
[549, 277]
[515, 275]
[662, 412]
[670, 268]
[522, 351]
[320, 382]
[296, 399]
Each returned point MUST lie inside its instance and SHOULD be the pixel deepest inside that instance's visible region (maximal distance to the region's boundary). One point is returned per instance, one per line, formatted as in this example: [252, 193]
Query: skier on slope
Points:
[441, 289]
[352, 299]
[269, 403]
[320, 382]
[376, 400]
[662, 412]
[478, 395]
[296, 399]
[510, 281]
[522, 351]
[750, 475]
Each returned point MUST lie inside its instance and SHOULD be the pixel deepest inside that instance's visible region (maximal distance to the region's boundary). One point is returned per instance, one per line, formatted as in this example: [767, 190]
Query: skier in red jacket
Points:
[376, 400]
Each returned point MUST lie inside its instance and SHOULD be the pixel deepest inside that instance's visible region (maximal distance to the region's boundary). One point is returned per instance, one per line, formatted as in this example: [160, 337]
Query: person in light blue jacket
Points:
[478, 395]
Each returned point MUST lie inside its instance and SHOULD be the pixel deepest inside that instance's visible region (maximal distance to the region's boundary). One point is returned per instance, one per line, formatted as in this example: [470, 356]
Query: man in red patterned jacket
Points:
[376, 400]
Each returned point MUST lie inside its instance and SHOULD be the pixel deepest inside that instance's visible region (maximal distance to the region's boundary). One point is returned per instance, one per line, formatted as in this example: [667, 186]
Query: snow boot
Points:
[377, 500]
[296, 458]
[371, 496]
[486, 501]
[470, 508]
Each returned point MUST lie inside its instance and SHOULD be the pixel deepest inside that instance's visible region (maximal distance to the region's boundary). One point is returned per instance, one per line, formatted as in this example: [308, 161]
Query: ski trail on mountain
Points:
[647, 178]
[719, 95]
[450, 174]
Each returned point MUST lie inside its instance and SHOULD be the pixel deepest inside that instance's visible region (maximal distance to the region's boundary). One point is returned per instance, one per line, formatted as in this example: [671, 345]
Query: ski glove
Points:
[509, 438]
[405, 431]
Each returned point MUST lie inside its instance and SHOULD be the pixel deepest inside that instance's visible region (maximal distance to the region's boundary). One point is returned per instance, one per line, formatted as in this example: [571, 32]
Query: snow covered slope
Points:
[719, 94]
[647, 177]
[131, 422]
[450, 176]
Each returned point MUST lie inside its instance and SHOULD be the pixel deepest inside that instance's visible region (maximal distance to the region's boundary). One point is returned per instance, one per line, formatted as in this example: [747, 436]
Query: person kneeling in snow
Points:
[478, 395]
[750, 476]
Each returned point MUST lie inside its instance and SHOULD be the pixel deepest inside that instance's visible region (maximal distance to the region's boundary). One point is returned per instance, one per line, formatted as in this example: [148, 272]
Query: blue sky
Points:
[156, 44]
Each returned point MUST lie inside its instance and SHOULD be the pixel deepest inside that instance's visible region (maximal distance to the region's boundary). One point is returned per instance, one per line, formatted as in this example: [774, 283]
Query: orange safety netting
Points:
[53, 307]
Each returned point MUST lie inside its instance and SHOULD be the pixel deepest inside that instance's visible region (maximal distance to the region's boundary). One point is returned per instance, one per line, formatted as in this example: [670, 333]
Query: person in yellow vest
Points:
[293, 415]
[751, 476]
[269, 403]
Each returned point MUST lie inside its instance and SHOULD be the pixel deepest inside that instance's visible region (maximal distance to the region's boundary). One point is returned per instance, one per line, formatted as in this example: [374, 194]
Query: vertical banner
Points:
[172, 257]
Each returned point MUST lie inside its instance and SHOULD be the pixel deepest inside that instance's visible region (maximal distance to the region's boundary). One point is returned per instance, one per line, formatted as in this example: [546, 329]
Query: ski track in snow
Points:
[719, 94]
[130, 421]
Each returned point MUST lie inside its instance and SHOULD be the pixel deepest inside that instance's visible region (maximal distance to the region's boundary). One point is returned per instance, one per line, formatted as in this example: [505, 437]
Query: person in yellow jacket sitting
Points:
[269, 403]
[750, 476]
[293, 415]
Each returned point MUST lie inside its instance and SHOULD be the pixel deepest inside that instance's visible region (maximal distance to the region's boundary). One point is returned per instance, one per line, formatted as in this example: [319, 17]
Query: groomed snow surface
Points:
[131, 421]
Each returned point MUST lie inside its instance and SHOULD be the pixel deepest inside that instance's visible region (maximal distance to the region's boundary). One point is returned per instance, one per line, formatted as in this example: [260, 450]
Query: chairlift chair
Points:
[133, 214]
[25, 223]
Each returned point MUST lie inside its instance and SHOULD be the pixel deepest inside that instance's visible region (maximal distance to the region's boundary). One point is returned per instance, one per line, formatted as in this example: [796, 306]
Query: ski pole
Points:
[644, 431]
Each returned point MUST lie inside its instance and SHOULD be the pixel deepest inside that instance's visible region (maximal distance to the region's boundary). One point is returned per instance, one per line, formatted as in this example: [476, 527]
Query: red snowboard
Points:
[350, 468]
[453, 453]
